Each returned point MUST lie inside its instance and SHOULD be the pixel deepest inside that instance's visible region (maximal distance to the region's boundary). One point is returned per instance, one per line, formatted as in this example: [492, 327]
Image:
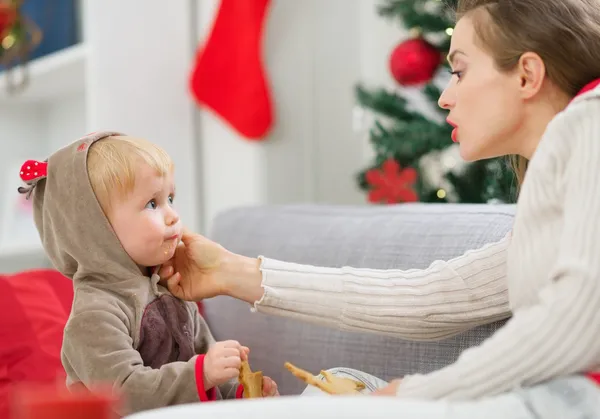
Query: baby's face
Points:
[146, 222]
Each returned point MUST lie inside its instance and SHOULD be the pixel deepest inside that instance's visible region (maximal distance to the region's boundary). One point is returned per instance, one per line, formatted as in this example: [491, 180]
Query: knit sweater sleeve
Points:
[558, 335]
[418, 304]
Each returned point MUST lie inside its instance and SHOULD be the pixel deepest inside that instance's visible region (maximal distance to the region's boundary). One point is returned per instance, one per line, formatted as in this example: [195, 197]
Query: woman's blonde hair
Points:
[564, 33]
[113, 161]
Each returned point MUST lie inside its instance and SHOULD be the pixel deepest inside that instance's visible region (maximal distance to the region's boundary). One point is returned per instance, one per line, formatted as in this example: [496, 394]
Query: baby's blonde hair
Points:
[112, 163]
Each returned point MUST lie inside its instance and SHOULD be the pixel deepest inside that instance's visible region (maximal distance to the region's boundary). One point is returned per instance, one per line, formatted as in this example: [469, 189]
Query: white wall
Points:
[17, 122]
[140, 54]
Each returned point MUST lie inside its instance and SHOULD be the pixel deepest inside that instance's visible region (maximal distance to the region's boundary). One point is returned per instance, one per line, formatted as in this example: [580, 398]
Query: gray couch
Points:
[401, 236]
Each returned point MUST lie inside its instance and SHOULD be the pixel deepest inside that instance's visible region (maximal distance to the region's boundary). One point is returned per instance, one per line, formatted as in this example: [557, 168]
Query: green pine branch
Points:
[384, 103]
[409, 141]
[394, 106]
[469, 184]
[414, 14]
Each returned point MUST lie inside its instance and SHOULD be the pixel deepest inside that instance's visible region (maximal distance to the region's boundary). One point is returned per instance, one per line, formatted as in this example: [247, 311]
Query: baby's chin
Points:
[157, 260]
[156, 256]
[163, 257]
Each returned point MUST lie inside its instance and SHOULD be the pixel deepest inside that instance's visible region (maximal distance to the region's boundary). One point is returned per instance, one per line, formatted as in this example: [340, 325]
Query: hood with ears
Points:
[74, 231]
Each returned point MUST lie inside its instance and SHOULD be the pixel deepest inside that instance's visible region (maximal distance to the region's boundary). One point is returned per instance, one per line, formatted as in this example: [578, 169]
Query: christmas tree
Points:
[415, 158]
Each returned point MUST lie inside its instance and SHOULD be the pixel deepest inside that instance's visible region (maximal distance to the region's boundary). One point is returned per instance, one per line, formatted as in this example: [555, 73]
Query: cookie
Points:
[251, 381]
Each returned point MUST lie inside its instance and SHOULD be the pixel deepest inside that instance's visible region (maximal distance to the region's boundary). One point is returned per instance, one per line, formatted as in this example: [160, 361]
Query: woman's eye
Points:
[151, 204]
[458, 74]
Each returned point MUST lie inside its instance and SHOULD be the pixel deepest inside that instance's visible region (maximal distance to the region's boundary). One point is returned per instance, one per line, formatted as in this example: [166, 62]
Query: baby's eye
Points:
[171, 199]
[151, 204]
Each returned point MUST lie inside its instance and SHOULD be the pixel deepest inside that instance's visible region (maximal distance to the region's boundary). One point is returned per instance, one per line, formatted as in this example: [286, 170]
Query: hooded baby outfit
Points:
[125, 329]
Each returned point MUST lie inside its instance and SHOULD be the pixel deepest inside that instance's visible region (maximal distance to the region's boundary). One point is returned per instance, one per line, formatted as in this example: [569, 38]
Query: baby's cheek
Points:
[155, 240]
[153, 227]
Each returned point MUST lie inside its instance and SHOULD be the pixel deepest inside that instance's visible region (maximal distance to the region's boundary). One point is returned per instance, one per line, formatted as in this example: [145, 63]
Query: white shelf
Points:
[56, 75]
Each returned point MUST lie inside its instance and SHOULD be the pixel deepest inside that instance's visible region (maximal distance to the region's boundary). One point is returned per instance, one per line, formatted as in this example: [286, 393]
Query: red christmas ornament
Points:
[32, 170]
[7, 17]
[391, 183]
[414, 62]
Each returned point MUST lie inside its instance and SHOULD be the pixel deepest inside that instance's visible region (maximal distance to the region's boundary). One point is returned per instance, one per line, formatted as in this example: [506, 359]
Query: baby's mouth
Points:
[171, 243]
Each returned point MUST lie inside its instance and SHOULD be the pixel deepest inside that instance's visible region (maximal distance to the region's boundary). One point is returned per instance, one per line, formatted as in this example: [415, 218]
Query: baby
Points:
[103, 206]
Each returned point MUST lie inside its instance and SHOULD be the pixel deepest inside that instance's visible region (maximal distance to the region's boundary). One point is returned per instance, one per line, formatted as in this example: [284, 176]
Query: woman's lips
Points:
[454, 131]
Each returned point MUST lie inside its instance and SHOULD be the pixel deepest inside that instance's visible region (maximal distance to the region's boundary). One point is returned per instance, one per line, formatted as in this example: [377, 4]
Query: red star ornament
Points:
[391, 184]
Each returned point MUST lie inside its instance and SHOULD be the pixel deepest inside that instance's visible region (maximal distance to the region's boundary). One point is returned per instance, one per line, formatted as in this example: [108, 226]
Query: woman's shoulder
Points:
[583, 108]
[578, 122]
[586, 96]
[576, 127]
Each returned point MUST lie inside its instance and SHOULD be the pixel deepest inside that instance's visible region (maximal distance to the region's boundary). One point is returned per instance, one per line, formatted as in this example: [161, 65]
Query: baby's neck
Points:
[145, 270]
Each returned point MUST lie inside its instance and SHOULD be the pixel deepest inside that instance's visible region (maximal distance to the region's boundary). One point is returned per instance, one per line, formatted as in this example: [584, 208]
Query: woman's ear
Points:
[532, 71]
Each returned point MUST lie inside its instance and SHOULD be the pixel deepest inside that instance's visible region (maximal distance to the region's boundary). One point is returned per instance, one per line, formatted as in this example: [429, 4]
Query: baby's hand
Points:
[222, 362]
[269, 387]
[390, 390]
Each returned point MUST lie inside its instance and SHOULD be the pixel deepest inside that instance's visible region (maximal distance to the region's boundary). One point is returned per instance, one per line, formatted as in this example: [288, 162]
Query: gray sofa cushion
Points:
[400, 236]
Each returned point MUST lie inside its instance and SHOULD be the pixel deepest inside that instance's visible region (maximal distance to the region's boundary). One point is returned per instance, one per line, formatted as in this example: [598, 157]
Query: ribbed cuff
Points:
[239, 393]
[205, 396]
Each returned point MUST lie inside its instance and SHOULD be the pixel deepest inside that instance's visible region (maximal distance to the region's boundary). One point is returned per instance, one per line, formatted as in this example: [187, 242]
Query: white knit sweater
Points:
[547, 273]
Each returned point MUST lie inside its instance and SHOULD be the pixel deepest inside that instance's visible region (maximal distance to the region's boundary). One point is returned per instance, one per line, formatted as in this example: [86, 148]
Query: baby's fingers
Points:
[232, 362]
[269, 387]
[244, 353]
[229, 373]
[230, 352]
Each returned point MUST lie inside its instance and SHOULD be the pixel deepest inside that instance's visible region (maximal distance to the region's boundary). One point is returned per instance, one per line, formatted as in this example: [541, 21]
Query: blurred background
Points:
[258, 102]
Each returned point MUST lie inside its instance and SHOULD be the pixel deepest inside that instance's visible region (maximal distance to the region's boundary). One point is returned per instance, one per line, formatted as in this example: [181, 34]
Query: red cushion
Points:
[34, 308]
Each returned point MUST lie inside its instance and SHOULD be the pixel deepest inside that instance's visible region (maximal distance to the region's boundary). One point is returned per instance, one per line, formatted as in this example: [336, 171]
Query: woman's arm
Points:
[418, 304]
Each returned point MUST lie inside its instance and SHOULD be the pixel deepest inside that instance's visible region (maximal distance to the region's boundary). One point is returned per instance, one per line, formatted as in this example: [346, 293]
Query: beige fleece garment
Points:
[124, 329]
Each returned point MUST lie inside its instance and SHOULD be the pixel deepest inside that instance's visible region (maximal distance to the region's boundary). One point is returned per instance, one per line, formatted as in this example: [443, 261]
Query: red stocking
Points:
[228, 76]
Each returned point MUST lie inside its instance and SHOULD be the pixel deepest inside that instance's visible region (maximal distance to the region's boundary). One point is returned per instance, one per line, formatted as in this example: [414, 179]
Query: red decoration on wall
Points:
[229, 75]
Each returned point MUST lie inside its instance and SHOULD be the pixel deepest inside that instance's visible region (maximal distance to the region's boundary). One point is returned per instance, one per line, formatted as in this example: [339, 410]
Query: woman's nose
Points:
[445, 101]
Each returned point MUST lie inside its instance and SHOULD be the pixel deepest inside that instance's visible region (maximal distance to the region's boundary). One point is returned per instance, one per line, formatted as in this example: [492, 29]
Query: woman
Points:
[524, 83]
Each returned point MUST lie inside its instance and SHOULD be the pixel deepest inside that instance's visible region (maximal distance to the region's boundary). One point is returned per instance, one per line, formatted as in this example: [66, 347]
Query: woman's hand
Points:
[202, 269]
[222, 362]
[390, 390]
[193, 272]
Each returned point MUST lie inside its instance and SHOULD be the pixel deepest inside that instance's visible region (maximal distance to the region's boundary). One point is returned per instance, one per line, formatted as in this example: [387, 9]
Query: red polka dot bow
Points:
[32, 172]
